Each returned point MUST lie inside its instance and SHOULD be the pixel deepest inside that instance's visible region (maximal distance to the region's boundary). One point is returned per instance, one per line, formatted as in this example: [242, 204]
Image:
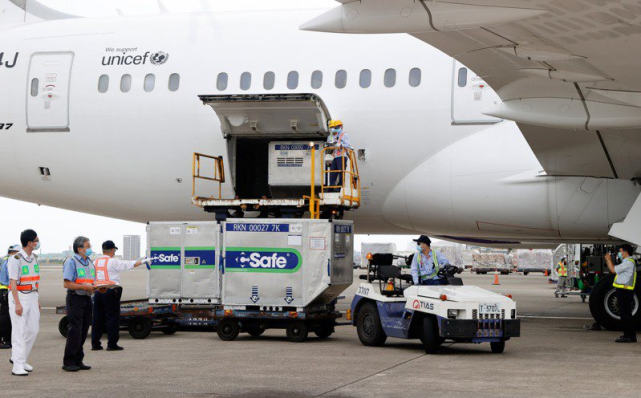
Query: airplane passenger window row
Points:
[125, 83]
[340, 79]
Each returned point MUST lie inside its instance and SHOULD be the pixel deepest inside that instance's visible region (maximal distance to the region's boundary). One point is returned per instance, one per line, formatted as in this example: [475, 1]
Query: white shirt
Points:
[13, 265]
[115, 267]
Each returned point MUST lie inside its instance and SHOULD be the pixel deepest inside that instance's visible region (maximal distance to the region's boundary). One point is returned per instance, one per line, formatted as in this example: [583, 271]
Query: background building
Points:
[131, 249]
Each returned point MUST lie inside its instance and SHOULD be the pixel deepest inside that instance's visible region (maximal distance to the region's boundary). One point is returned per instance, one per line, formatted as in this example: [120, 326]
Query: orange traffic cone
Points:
[496, 279]
[546, 272]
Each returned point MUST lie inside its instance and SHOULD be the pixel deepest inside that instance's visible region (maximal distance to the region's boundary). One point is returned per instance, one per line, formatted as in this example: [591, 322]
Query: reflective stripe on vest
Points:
[338, 152]
[81, 272]
[627, 286]
[102, 271]
[29, 274]
[562, 270]
[420, 264]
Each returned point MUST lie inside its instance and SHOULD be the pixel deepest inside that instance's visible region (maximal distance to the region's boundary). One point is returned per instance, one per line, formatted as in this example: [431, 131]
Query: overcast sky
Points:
[57, 228]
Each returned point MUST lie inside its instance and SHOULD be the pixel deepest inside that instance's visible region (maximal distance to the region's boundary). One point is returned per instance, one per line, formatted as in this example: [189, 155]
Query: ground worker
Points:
[24, 304]
[426, 263]
[624, 282]
[78, 273]
[562, 273]
[106, 302]
[5, 317]
[338, 139]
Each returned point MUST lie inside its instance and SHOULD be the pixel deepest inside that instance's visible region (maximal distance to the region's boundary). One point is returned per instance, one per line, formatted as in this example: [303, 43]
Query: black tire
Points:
[255, 331]
[604, 306]
[323, 332]
[139, 328]
[170, 329]
[228, 329]
[63, 326]
[297, 331]
[368, 326]
[431, 338]
[525, 273]
[498, 347]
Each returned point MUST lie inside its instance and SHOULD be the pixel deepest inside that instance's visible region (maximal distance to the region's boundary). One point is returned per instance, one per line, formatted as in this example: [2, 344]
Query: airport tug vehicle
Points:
[389, 305]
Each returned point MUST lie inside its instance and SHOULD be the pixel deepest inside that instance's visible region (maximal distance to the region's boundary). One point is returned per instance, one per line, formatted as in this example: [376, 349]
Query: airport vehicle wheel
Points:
[63, 326]
[228, 329]
[139, 328]
[324, 332]
[170, 329]
[498, 347]
[525, 273]
[255, 331]
[604, 305]
[368, 326]
[297, 332]
[431, 340]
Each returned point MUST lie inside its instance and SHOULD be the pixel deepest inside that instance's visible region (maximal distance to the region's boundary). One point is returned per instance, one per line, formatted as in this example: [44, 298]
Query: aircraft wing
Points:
[567, 71]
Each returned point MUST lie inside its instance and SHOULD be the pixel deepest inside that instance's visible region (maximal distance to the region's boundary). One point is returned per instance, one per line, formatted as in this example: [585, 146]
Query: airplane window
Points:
[317, 79]
[366, 78]
[415, 77]
[341, 79]
[103, 83]
[34, 87]
[269, 80]
[125, 83]
[245, 81]
[174, 81]
[150, 82]
[462, 77]
[221, 82]
[390, 78]
[292, 80]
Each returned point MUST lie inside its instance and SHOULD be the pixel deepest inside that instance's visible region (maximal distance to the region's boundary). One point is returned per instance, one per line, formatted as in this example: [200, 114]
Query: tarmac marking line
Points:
[368, 376]
[554, 317]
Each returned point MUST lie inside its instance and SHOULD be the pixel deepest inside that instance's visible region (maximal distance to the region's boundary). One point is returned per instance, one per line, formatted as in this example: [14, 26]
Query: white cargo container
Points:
[279, 263]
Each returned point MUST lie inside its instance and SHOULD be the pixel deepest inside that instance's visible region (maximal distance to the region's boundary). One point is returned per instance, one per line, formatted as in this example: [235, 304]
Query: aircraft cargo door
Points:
[470, 96]
[48, 91]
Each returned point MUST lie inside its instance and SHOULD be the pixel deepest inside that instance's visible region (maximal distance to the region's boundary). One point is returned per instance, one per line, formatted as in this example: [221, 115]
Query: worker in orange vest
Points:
[562, 273]
[106, 303]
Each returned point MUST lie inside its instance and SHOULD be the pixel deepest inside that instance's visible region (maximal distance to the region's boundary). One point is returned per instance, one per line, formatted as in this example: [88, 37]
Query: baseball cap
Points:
[108, 245]
[423, 239]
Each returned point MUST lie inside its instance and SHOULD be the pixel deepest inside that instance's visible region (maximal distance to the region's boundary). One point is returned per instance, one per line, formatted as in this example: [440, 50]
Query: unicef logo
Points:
[159, 58]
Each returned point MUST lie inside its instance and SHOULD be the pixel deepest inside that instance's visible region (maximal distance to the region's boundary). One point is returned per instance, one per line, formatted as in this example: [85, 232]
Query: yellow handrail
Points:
[351, 182]
[219, 174]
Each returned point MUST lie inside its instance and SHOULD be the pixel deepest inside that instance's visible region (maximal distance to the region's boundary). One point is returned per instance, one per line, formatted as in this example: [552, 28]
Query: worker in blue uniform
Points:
[427, 263]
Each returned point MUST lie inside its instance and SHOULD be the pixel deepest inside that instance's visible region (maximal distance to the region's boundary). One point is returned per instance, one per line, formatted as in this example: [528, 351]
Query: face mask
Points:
[332, 130]
[37, 247]
[338, 130]
[418, 247]
[620, 256]
[89, 252]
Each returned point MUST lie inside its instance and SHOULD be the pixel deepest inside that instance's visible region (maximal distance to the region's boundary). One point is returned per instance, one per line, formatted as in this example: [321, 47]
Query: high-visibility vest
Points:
[102, 271]
[562, 270]
[85, 274]
[338, 152]
[630, 284]
[29, 275]
[419, 264]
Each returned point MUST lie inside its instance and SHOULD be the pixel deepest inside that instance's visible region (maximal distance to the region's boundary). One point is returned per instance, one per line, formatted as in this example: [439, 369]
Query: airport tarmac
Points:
[555, 356]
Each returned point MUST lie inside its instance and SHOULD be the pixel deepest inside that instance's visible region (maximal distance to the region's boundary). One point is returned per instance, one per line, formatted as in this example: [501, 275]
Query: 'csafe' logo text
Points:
[255, 259]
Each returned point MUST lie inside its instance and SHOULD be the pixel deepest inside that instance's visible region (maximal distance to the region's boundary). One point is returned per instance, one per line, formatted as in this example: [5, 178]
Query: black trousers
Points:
[106, 317]
[5, 319]
[79, 316]
[626, 301]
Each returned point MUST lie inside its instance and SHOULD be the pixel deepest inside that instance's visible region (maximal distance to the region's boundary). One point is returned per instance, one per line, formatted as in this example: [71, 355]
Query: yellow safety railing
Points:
[350, 187]
[219, 174]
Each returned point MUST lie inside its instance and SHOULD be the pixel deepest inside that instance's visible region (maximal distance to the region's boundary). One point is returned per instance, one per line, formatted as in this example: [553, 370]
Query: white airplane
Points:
[102, 115]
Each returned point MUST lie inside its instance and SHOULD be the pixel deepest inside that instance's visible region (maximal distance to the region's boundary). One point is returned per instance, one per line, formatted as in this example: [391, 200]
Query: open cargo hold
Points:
[251, 262]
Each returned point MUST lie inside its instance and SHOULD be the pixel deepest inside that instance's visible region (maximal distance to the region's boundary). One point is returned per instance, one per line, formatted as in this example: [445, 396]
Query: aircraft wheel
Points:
[604, 305]
[368, 326]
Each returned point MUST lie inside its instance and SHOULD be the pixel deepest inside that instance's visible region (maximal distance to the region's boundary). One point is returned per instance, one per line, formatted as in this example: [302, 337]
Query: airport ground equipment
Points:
[254, 274]
[139, 317]
[278, 159]
[388, 305]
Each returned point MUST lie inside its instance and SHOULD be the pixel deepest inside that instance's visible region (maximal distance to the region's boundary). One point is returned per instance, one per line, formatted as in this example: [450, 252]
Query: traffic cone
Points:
[496, 279]
[546, 272]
